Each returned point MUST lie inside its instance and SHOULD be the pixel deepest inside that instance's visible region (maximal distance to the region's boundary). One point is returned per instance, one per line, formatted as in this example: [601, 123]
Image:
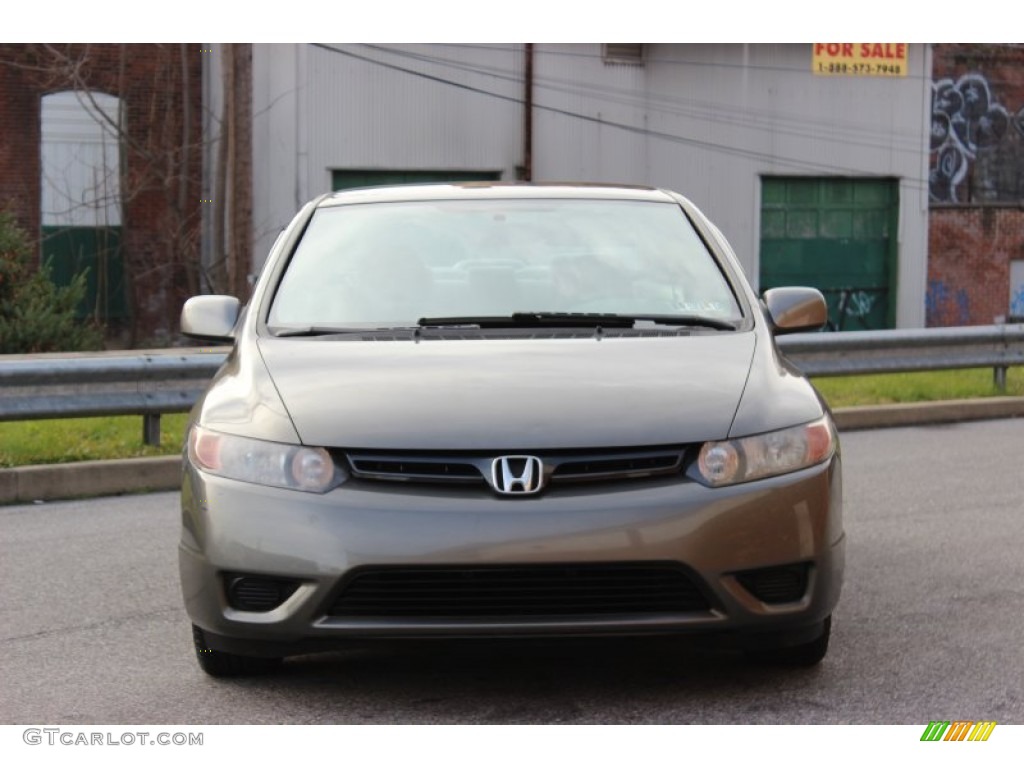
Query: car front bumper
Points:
[321, 540]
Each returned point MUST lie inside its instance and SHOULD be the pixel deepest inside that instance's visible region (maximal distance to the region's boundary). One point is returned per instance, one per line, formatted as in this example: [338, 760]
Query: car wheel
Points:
[803, 655]
[222, 664]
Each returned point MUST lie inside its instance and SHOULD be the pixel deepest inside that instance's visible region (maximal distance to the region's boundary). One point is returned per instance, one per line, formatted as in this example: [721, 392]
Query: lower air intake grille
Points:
[518, 591]
[257, 593]
[784, 584]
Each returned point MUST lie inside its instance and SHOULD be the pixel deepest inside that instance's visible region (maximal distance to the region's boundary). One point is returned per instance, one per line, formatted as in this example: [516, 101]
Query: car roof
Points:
[494, 190]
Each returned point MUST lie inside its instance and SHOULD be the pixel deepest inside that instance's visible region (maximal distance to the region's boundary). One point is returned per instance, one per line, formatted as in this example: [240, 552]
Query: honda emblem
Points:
[517, 475]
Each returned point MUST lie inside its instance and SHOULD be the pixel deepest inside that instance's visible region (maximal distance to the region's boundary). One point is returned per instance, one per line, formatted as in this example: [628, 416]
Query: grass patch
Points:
[54, 441]
[843, 391]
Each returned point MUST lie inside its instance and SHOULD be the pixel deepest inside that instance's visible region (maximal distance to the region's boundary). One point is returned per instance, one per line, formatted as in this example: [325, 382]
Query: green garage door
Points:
[837, 235]
[348, 179]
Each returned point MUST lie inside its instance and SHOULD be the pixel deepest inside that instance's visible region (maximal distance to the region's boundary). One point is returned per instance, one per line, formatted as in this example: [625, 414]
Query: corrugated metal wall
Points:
[579, 102]
[374, 107]
[368, 110]
[706, 120]
[710, 120]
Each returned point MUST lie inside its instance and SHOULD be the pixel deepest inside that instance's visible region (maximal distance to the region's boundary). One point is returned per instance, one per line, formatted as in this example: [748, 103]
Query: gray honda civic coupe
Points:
[507, 411]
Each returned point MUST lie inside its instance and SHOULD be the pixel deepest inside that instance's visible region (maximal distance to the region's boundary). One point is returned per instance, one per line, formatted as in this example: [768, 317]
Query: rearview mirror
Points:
[210, 317]
[795, 309]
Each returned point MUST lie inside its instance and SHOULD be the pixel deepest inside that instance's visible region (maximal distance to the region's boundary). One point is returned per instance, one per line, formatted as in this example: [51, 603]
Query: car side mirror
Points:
[210, 317]
[792, 310]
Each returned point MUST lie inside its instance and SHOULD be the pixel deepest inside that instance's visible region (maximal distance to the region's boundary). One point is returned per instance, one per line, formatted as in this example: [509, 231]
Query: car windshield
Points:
[391, 264]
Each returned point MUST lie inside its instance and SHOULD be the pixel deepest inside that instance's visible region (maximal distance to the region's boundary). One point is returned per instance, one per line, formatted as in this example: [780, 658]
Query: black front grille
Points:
[398, 469]
[518, 591]
[783, 584]
[600, 465]
[620, 466]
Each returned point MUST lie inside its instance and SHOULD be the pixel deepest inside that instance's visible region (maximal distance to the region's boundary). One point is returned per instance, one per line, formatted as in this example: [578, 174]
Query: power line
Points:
[795, 163]
[550, 51]
[709, 112]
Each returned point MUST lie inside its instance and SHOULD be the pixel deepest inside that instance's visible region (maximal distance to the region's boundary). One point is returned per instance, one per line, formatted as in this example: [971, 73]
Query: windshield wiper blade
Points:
[574, 320]
[530, 320]
[698, 320]
[313, 330]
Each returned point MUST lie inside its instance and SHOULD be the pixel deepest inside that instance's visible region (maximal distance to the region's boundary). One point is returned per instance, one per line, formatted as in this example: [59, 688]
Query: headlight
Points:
[774, 453]
[264, 463]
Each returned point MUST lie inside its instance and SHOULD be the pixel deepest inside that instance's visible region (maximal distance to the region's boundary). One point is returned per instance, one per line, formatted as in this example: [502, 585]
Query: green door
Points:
[96, 251]
[348, 179]
[837, 235]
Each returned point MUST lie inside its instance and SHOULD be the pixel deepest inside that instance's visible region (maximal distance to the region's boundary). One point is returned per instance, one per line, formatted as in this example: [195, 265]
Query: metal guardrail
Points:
[149, 383]
[146, 383]
[901, 351]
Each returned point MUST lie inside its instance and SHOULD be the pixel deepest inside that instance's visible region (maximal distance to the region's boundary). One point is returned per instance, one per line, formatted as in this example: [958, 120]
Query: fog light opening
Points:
[258, 593]
[776, 585]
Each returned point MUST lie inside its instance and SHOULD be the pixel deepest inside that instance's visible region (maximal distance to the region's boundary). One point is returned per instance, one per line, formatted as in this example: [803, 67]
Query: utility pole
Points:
[232, 199]
[528, 116]
[240, 221]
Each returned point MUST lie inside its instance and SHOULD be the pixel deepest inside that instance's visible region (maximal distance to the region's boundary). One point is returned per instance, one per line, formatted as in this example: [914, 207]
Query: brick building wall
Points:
[19, 145]
[969, 254]
[976, 182]
[161, 158]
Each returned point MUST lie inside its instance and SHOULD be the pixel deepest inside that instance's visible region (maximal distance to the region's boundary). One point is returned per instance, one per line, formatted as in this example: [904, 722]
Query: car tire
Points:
[803, 655]
[222, 664]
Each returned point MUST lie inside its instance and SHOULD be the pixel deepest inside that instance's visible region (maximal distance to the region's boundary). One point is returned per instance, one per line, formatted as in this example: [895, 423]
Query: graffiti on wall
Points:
[1017, 302]
[944, 307]
[967, 118]
[1017, 289]
[854, 307]
[860, 304]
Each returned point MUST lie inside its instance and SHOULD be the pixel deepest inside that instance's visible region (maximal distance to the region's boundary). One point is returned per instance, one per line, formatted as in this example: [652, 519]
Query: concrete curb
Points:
[89, 478]
[935, 412]
[163, 473]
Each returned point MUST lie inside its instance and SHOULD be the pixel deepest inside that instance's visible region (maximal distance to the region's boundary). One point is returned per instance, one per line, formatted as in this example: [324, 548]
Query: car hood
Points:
[511, 394]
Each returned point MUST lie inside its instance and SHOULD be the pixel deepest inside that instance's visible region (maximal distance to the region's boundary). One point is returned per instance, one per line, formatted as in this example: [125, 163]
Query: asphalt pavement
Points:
[929, 626]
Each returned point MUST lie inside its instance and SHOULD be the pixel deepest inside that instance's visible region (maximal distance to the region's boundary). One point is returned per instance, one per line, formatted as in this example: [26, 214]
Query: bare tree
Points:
[160, 139]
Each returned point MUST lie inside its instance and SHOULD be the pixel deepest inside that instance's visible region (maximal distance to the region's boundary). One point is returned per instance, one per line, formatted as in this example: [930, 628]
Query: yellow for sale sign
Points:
[866, 59]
